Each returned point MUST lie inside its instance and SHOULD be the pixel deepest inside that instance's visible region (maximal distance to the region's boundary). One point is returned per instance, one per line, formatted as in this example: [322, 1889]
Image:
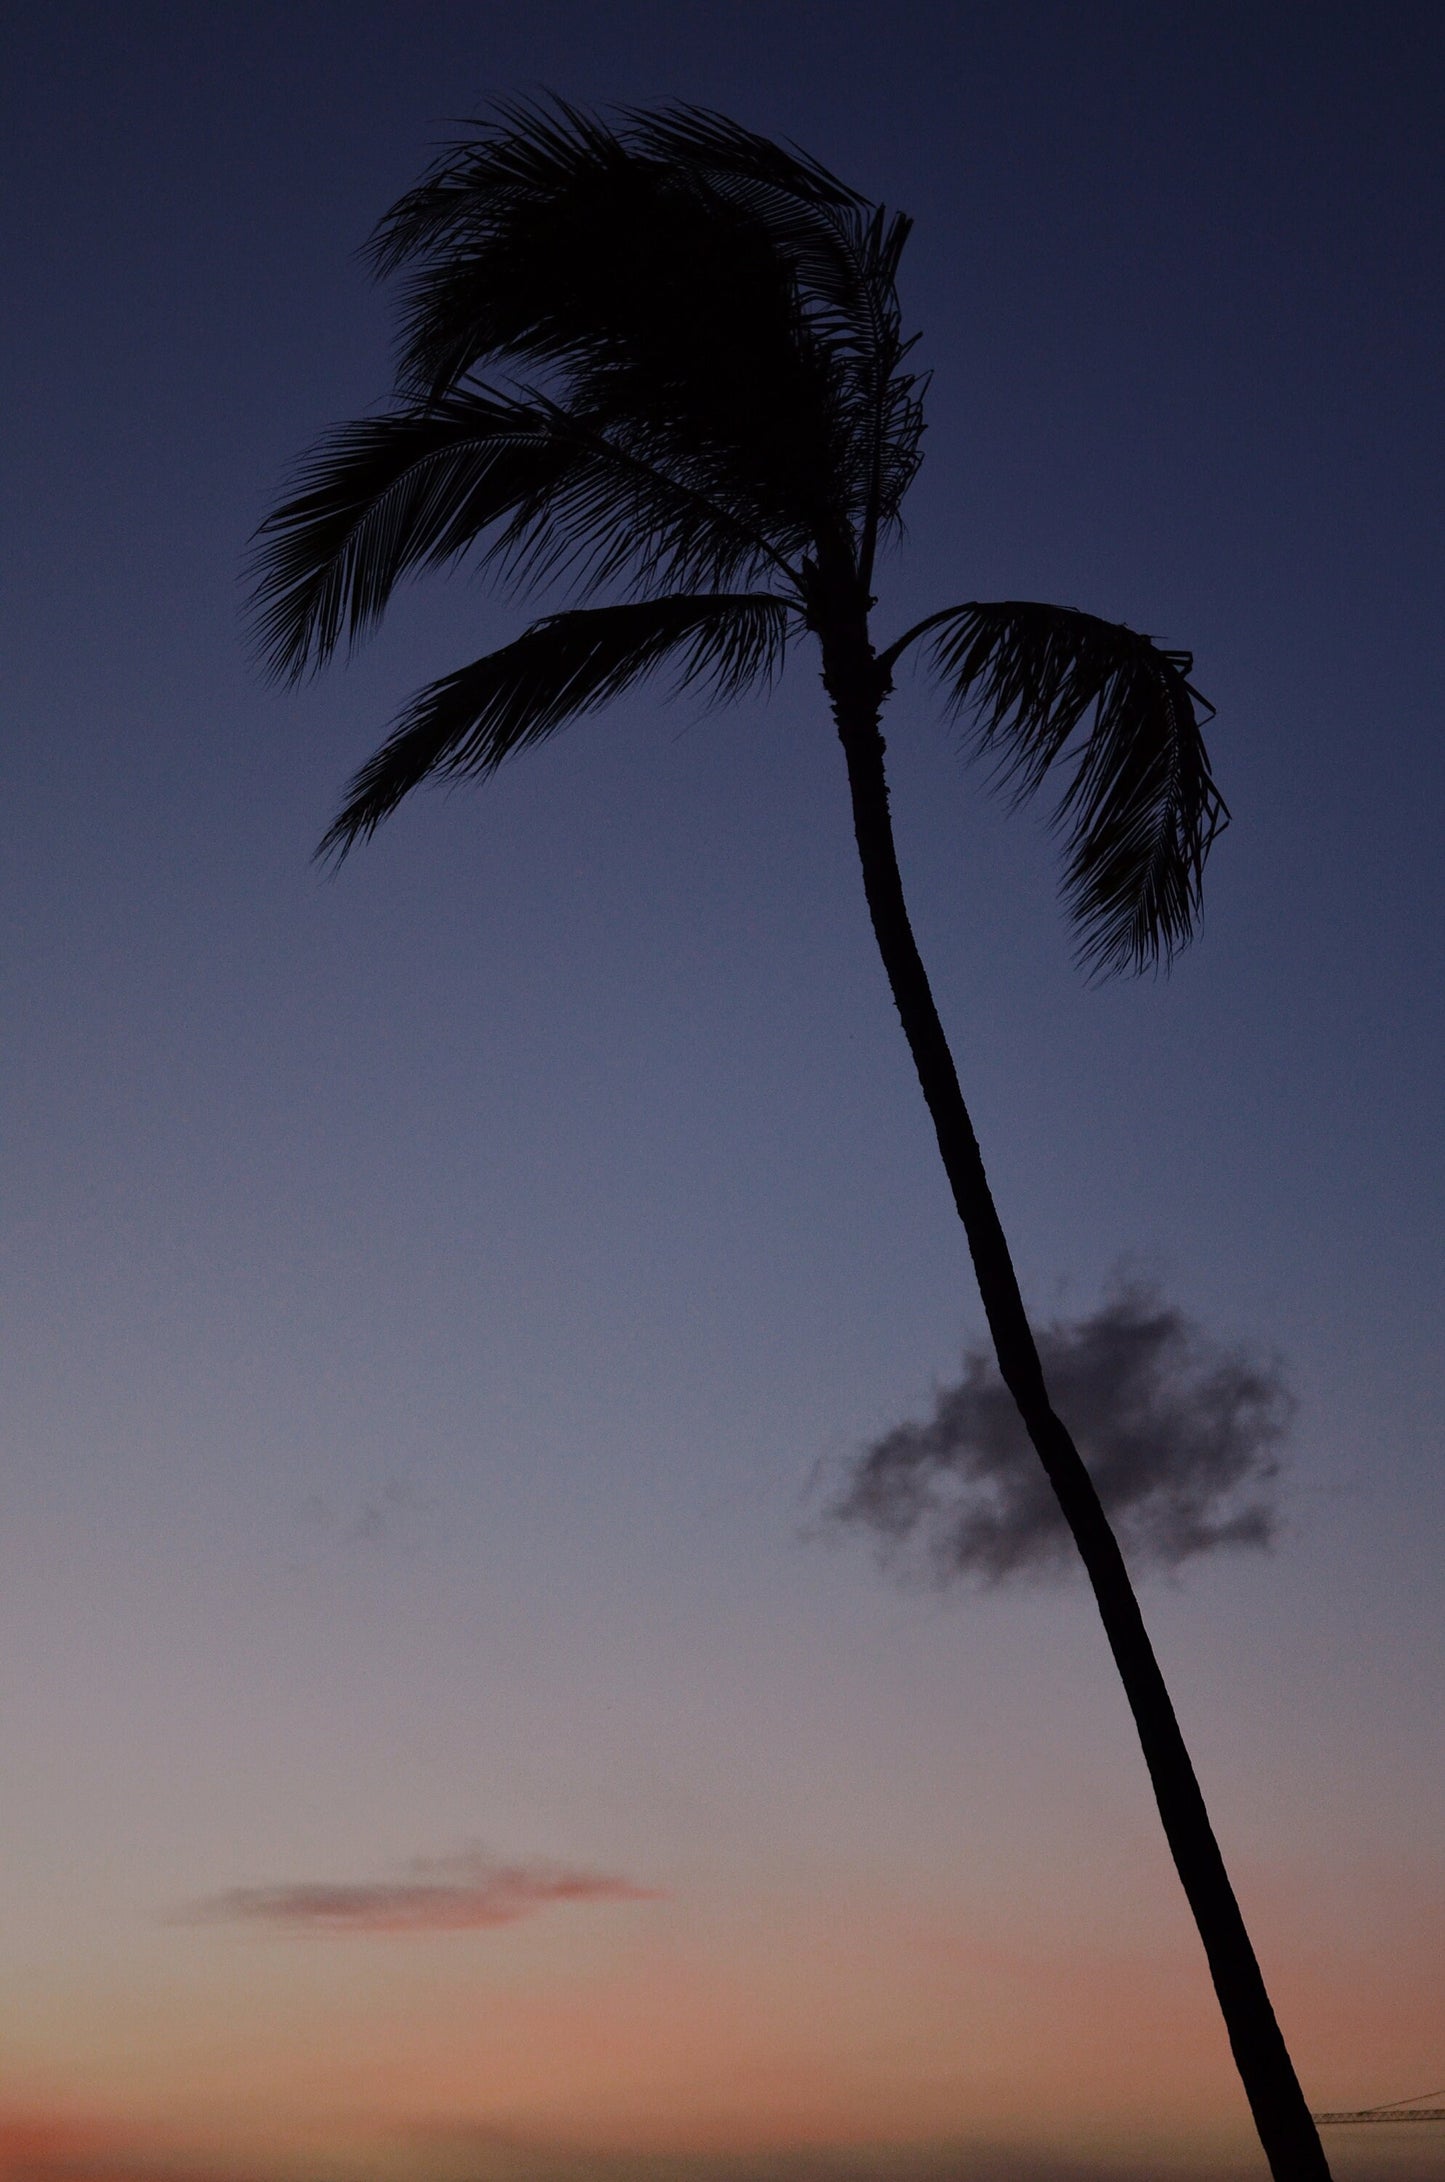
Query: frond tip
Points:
[564, 665]
[1141, 810]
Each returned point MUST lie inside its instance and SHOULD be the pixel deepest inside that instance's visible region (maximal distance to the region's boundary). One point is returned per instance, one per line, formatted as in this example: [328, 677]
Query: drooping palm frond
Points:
[845, 254]
[780, 182]
[888, 430]
[1140, 809]
[727, 302]
[647, 301]
[419, 487]
[564, 665]
[539, 190]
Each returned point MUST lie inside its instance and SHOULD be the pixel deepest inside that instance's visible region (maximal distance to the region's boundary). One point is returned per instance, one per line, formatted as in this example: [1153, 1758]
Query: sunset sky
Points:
[441, 1740]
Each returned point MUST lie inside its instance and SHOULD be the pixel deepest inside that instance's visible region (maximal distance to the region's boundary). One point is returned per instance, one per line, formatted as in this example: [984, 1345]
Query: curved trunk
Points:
[856, 689]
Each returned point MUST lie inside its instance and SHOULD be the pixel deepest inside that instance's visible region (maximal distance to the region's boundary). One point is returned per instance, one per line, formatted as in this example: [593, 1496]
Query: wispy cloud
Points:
[1180, 1435]
[468, 1892]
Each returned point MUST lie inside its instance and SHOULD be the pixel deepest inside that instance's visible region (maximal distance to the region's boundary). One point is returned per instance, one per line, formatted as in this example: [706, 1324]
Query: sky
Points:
[442, 1738]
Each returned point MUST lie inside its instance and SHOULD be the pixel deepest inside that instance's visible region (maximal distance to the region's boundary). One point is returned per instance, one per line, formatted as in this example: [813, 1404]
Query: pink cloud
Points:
[468, 1892]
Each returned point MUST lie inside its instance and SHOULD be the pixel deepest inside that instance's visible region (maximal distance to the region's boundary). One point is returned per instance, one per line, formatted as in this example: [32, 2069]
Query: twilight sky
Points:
[436, 1743]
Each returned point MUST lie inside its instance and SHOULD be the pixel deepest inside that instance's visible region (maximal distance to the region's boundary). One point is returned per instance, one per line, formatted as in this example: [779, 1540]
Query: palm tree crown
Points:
[664, 362]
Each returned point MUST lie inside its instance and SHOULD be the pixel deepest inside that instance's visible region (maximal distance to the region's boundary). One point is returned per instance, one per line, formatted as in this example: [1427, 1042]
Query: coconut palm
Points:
[661, 360]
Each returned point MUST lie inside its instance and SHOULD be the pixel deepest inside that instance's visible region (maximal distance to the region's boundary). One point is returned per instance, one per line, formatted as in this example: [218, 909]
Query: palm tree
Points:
[662, 359]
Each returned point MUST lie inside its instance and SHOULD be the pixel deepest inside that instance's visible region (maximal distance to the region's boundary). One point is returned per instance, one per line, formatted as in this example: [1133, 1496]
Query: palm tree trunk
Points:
[1286, 2128]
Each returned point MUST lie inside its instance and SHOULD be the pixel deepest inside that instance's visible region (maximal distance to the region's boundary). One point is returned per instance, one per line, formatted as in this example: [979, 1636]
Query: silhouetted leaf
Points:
[564, 665]
[1140, 809]
[418, 487]
[727, 305]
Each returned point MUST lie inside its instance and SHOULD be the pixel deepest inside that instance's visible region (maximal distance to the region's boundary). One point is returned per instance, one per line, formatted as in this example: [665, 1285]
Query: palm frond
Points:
[542, 234]
[1140, 809]
[707, 292]
[528, 147]
[843, 255]
[700, 137]
[546, 243]
[379, 498]
[415, 488]
[563, 666]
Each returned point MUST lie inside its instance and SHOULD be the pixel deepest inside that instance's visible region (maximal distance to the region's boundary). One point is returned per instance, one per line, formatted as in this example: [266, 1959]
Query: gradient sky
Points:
[432, 1291]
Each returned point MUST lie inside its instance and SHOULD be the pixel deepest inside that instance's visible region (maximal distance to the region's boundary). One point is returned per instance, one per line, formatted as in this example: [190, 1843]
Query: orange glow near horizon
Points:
[894, 2036]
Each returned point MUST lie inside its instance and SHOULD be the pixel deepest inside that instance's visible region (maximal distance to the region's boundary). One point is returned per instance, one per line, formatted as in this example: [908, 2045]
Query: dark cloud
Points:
[469, 1892]
[1178, 1432]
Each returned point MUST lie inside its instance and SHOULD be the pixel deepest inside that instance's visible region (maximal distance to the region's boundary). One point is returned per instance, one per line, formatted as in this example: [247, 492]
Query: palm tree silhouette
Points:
[697, 400]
